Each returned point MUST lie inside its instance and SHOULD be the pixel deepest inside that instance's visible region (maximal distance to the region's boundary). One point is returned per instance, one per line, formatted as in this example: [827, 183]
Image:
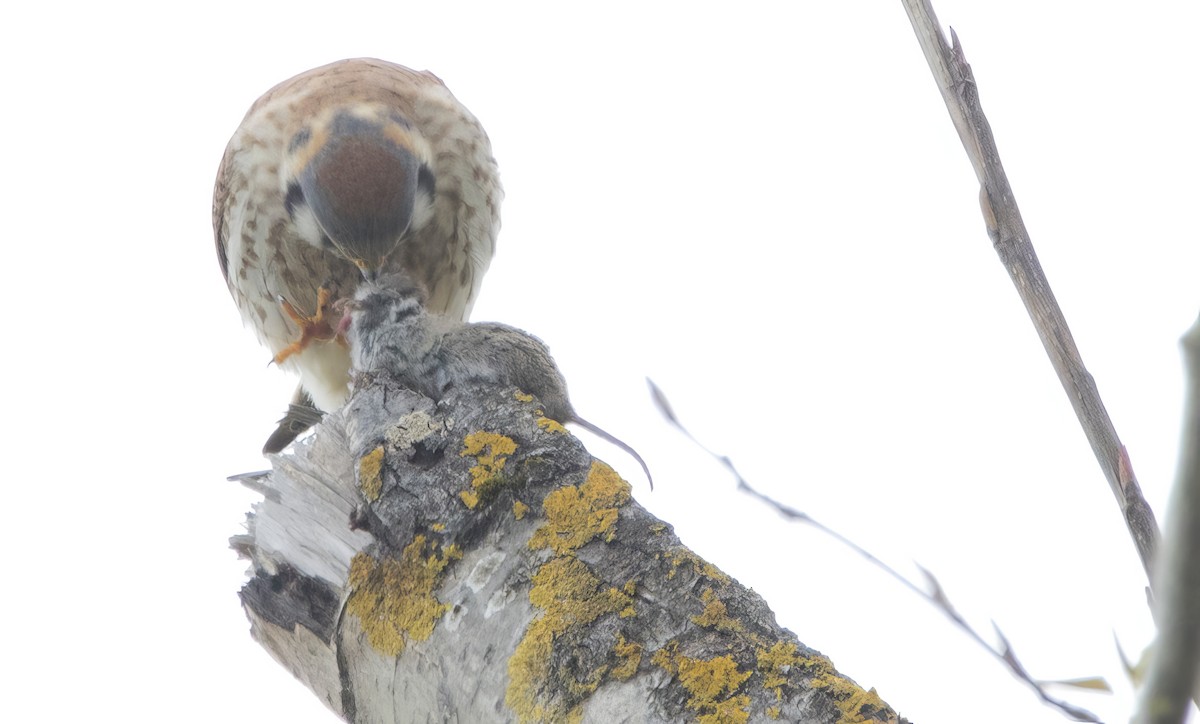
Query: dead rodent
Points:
[391, 332]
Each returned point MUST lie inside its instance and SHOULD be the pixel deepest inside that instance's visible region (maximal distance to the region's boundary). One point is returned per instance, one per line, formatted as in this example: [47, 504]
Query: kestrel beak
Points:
[369, 272]
[360, 176]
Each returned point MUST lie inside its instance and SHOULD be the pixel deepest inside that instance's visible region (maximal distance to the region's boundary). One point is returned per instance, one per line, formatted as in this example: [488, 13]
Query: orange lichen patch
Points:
[629, 657]
[858, 706]
[715, 614]
[393, 598]
[519, 509]
[550, 425]
[775, 664]
[491, 451]
[370, 474]
[570, 597]
[711, 684]
[681, 556]
[576, 516]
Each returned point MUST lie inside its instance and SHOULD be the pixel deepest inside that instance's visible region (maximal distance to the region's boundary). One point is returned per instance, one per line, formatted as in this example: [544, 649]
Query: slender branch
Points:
[1011, 240]
[1175, 663]
[933, 594]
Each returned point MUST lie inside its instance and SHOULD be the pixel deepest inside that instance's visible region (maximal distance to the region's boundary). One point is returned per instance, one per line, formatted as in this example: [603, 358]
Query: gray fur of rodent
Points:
[391, 332]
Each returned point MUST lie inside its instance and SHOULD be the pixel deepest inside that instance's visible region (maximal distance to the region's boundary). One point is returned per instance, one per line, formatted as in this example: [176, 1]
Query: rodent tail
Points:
[618, 442]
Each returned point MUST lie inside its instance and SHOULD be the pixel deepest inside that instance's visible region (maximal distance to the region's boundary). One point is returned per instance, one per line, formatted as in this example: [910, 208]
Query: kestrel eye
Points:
[315, 168]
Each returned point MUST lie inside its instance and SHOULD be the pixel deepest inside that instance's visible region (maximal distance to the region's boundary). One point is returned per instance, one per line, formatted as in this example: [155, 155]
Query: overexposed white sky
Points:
[766, 210]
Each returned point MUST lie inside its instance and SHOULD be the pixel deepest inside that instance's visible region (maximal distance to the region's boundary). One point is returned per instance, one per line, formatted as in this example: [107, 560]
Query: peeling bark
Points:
[469, 561]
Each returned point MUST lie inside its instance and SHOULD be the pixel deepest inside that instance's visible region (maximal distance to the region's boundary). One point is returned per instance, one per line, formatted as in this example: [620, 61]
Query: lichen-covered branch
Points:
[469, 561]
[1011, 240]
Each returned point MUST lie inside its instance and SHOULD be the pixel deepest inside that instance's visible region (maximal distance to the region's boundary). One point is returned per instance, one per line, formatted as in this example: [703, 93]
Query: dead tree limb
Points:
[469, 561]
[1011, 241]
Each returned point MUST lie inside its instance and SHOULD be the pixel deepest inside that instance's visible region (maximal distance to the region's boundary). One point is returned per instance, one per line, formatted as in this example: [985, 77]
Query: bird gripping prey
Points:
[355, 168]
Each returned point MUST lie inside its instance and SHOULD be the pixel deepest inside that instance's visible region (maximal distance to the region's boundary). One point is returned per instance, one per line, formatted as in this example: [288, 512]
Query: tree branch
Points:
[1011, 241]
[932, 592]
[1175, 662]
[469, 561]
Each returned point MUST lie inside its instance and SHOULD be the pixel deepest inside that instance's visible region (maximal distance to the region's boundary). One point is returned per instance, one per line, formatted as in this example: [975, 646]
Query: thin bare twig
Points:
[932, 592]
[1011, 240]
[1175, 661]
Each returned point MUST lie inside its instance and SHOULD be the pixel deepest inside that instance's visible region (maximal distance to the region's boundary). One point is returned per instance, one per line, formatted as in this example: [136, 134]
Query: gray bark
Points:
[469, 561]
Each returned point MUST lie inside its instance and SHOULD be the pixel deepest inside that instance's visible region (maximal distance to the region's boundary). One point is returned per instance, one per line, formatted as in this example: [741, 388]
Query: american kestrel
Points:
[351, 169]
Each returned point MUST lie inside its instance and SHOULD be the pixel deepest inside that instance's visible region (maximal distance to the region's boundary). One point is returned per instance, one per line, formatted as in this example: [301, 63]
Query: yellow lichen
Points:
[630, 589]
[857, 705]
[393, 598]
[576, 516]
[519, 509]
[773, 712]
[681, 555]
[550, 425]
[491, 451]
[775, 664]
[629, 657]
[438, 527]
[370, 474]
[570, 596]
[522, 397]
[664, 658]
[711, 684]
[715, 614]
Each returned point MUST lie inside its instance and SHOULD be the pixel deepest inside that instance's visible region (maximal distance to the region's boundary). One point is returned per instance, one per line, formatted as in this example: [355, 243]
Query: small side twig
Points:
[1175, 661]
[1011, 240]
[932, 592]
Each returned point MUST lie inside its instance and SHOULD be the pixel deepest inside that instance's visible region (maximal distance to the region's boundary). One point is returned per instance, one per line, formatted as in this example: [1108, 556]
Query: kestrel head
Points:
[358, 177]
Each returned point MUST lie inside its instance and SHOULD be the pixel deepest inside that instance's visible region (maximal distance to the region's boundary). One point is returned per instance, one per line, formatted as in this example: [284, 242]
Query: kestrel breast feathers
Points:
[355, 168]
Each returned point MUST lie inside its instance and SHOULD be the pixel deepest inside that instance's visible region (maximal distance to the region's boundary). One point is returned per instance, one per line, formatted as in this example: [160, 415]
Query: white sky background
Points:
[765, 210]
